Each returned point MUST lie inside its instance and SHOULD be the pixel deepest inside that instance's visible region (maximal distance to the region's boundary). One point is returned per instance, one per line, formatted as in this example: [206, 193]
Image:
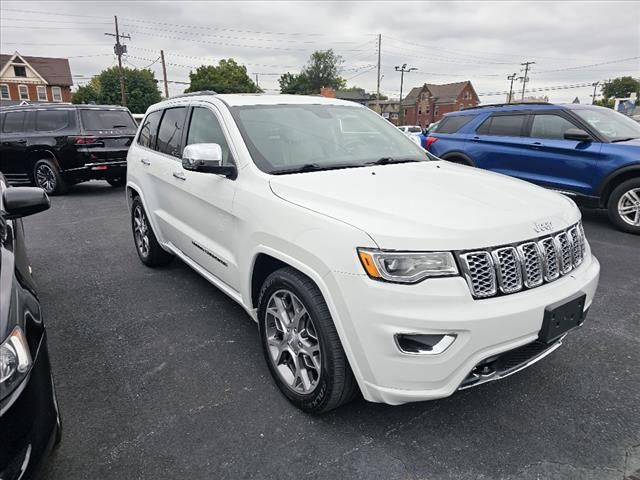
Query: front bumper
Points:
[30, 422]
[377, 311]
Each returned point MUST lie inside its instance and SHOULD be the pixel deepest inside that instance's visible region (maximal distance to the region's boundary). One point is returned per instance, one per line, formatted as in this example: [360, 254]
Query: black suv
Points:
[55, 146]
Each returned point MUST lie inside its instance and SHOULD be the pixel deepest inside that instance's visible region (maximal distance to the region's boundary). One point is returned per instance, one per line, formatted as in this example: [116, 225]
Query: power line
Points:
[592, 65]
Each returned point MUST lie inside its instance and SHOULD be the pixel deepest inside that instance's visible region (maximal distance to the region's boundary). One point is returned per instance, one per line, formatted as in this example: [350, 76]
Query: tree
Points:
[322, 70]
[621, 87]
[141, 89]
[227, 77]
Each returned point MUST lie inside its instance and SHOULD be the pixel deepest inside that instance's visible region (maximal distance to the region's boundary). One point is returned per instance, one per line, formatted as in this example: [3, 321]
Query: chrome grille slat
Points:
[512, 268]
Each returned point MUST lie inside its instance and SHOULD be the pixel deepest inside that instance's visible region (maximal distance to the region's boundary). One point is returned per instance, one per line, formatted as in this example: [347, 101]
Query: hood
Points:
[429, 205]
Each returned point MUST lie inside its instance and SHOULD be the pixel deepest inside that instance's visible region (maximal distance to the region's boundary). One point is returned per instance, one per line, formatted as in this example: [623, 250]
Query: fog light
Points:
[419, 344]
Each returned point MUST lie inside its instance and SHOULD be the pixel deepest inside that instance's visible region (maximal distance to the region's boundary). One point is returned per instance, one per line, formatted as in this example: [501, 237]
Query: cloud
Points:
[447, 41]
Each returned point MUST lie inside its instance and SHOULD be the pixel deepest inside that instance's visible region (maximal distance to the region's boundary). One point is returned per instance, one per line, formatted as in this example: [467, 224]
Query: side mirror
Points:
[206, 158]
[20, 202]
[577, 134]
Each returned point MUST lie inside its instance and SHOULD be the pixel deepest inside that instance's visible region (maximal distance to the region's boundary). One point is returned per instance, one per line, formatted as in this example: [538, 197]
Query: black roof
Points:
[494, 105]
[60, 105]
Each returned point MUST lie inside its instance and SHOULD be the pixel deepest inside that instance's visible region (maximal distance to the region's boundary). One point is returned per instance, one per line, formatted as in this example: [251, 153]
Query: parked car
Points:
[590, 153]
[367, 264]
[56, 145]
[414, 132]
[29, 417]
[138, 117]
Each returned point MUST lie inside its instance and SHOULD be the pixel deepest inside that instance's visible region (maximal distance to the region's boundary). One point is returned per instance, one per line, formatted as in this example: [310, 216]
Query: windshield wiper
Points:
[623, 139]
[389, 160]
[307, 167]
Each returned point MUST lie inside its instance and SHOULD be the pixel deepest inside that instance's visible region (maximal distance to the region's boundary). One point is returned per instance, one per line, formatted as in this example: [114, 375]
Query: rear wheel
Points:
[147, 246]
[301, 345]
[117, 181]
[624, 206]
[47, 177]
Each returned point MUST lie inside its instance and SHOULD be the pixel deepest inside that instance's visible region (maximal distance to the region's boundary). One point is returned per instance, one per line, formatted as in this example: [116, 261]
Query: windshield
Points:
[95, 119]
[613, 125]
[286, 137]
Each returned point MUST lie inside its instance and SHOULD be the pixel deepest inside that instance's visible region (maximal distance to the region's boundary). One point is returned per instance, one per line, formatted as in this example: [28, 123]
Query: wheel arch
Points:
[614, 179]
[35, 155]
[458, 157]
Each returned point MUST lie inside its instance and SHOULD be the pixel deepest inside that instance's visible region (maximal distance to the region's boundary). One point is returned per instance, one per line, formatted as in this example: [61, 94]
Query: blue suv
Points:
[589, 153]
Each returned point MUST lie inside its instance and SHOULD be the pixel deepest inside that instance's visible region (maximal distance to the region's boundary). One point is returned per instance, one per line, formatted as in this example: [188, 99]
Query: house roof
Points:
[55, 71]
[352, 94]
[446, 93]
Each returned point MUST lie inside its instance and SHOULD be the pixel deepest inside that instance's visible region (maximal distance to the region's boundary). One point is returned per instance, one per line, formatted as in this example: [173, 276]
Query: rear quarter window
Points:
[13, 122]
[454, 123]
[502, 125]
[149, 130]
[52, 120]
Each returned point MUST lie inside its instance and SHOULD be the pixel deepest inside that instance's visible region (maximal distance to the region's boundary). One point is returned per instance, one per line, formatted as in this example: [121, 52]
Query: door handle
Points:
[21, 142]
[179, 175]
[144, 161]
[537, 144]
[475, 139]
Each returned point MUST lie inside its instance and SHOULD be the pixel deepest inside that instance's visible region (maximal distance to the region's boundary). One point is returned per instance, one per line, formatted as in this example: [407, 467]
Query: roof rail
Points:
[492, 105]
[194, 94]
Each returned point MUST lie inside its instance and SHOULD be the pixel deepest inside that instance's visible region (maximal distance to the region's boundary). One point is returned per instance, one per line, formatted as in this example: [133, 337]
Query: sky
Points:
[571, 42]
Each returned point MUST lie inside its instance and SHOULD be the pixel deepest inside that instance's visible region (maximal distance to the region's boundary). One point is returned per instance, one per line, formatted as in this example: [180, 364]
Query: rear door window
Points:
[502, 125]
[550, 126]
[96, 120]
[170, 131]
[52, 120]
[149, 130]
[13, 122]
[454, 123]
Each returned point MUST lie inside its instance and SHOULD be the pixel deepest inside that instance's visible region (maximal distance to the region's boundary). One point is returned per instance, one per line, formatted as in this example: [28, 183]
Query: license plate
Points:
[561, 317]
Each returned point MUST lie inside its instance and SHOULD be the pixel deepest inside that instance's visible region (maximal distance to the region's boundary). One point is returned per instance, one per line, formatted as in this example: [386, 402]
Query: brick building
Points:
[34, 79]
[428, 103]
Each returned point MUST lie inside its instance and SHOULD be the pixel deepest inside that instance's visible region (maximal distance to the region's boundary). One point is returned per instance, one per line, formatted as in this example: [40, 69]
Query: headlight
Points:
[15, 358]
[407, 267]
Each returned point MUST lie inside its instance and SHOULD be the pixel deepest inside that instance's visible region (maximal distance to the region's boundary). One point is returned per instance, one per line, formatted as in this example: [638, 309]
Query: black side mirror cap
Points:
[229, 171]
[578, 135]
[20, 202]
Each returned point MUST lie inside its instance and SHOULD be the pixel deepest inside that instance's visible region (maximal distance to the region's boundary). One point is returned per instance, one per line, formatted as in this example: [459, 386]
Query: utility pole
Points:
[164, 74]
[402, 71]
[257, 84]
[525, 79]
[378, 89]
[120, 49]
[512, 78]
[593, 98]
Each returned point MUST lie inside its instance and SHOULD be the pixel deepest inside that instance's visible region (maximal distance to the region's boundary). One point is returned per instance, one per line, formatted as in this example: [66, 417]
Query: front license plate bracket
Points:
[562, 316]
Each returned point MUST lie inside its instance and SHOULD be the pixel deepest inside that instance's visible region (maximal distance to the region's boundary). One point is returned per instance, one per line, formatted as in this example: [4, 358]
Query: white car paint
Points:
[315, 221]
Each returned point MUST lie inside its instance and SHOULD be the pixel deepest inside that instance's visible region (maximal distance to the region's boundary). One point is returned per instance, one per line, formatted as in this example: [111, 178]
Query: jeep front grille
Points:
[512, 268]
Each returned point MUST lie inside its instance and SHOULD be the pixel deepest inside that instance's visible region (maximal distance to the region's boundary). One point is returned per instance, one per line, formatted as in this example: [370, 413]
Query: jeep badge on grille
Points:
[540, 227]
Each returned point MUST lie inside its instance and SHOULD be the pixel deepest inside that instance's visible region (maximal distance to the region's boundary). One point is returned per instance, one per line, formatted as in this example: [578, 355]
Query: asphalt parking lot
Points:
[160, 375]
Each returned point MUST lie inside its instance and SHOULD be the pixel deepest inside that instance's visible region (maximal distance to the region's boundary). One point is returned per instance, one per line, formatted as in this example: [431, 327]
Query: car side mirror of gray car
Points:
[206, 158]
[18, 202]
[577, 134]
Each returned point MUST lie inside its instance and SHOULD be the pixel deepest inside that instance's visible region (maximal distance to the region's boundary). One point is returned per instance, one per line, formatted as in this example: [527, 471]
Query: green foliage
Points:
[141, 89]
[227, 77]
[605, 102]
[621, 87]
[374, 97]
[322, 70]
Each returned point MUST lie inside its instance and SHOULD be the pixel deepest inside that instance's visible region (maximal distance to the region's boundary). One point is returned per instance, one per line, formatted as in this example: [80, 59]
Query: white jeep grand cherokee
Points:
[367, 263]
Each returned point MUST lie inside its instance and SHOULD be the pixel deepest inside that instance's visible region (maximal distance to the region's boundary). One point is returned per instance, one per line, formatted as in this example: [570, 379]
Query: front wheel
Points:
[301, 345]
[624, 206]
[147, 246]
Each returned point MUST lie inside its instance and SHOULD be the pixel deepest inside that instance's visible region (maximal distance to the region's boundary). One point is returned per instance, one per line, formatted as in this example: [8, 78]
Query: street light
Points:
[402, 71]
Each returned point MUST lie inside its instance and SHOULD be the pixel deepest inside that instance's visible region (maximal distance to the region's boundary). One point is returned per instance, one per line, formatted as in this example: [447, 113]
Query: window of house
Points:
[42, 93]
[50, 120]
[19, 71]
[149, 130]
[24, 92]
[427, 109]
[4, 92]
[205, 128]
[56, 94]
[436, 110]
[170, 131]
[419, 111]
[13, 122]
[424, 96]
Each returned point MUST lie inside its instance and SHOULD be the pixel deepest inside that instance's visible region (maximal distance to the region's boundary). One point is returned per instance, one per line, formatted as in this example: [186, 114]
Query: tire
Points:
[626, 197]
[459, 161]
[117, 181]
[329, 379]
[47, 177]
[147, 246]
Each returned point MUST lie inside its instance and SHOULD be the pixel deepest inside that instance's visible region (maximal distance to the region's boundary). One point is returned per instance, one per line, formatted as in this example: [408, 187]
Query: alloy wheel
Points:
[46, 178]
[292, 342]
[141, 231]
[629, 207]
